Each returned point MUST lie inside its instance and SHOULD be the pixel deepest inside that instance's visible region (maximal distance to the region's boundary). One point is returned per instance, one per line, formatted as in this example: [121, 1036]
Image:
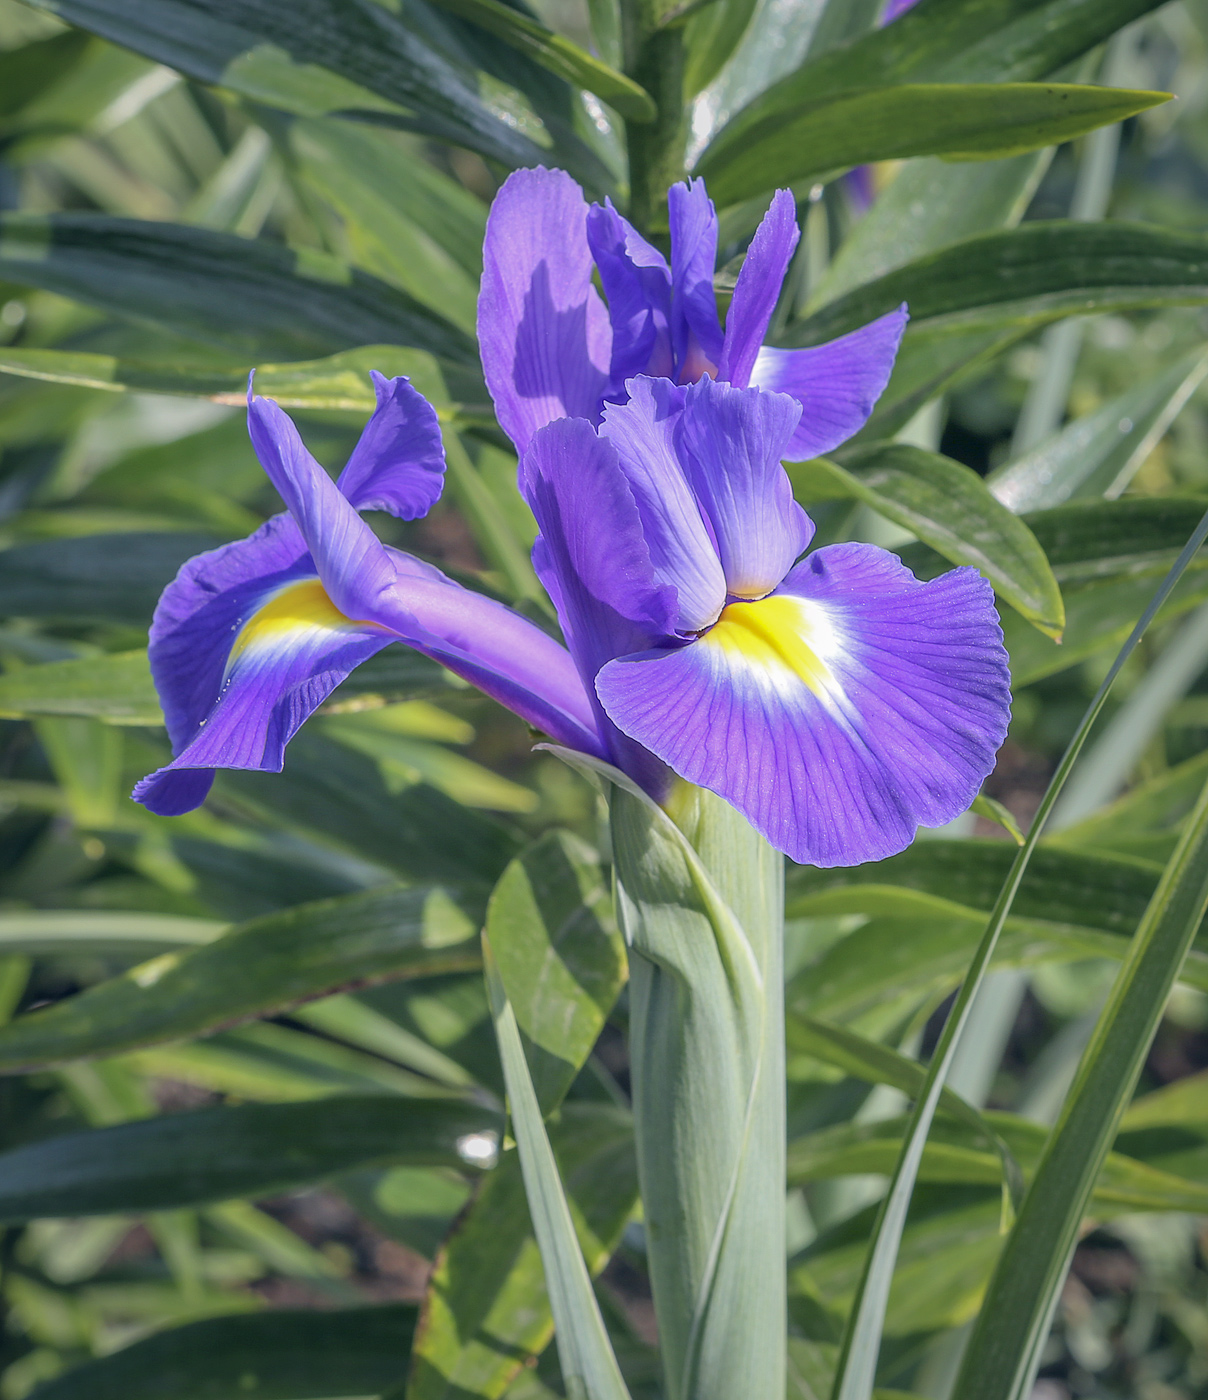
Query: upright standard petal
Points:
[348, 556]
[637, 283]
[696, 337]
[399, 463]
[838, 715]
[593, 558]
[643, 430]
[731, 443]
[245, 644]
[758, 289]
[543, 331]
[836, 384]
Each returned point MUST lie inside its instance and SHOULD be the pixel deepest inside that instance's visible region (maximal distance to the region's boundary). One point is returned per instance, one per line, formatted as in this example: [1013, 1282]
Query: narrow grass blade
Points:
[1004, 1352]
[589, 1368]
[861, 1342]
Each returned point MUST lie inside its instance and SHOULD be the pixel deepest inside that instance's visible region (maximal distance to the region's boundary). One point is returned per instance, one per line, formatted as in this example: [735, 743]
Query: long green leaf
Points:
[1060, 886]
[711, 36]
[254, 970]
[49, 931]
[214, 1154]
[274, 1355]
[317, 57]
[256, 297]
[105, 578]
[927, 205]
[1106, 555]
[1153, 809]
[930, 361]
[953, 1154]
[1099, 453]
[558, 54]
[340, 794]
[403, 220]
[26, 72]
[1021, 278]
[947, 505]
[867, 1059]
[1098, 614]
[338, 381]
[964, 121]
[116, 688]
[946, 41]
[914, 956]
[589, 1368]
[487, 1309]
[861, 1341]
[559, 955]
[1004, 1351]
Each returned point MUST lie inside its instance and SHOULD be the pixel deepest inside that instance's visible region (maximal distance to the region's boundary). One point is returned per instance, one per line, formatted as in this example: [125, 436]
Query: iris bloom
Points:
[552, 349]
[250, 639]
[835, 700]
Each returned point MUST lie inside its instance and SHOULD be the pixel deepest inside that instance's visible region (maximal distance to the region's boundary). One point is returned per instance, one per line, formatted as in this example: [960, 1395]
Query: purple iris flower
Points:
[552, 349]
[250, 639]
[837, 702]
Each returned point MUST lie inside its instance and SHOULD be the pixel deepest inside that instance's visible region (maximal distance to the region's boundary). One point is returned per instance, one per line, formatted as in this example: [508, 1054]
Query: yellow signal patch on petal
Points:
[289, 613]
[780, 637]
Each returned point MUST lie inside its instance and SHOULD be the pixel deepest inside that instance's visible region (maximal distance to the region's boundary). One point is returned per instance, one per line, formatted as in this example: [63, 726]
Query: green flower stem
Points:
[654, 58]
[656, 151]
[704, 920]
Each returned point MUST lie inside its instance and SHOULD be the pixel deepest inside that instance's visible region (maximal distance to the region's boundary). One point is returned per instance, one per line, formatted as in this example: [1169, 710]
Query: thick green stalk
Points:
[656, 149]
[654, 58]
[704, 920]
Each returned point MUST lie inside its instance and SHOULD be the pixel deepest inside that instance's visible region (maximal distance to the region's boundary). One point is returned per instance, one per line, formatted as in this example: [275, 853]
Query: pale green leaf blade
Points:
[946, 505]
[955, 1155]
[1060, 886]
[339, 382]
[927, 205]
[333, 792]
[1004, 1351]
[51, 931]
[255, 970]
[1098, 454]
[383, 193]
[487, 1308]
[116, 688]
[354, 160]
[994, 811]
[560, 957]
[589, 1368]
[867, 1059]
